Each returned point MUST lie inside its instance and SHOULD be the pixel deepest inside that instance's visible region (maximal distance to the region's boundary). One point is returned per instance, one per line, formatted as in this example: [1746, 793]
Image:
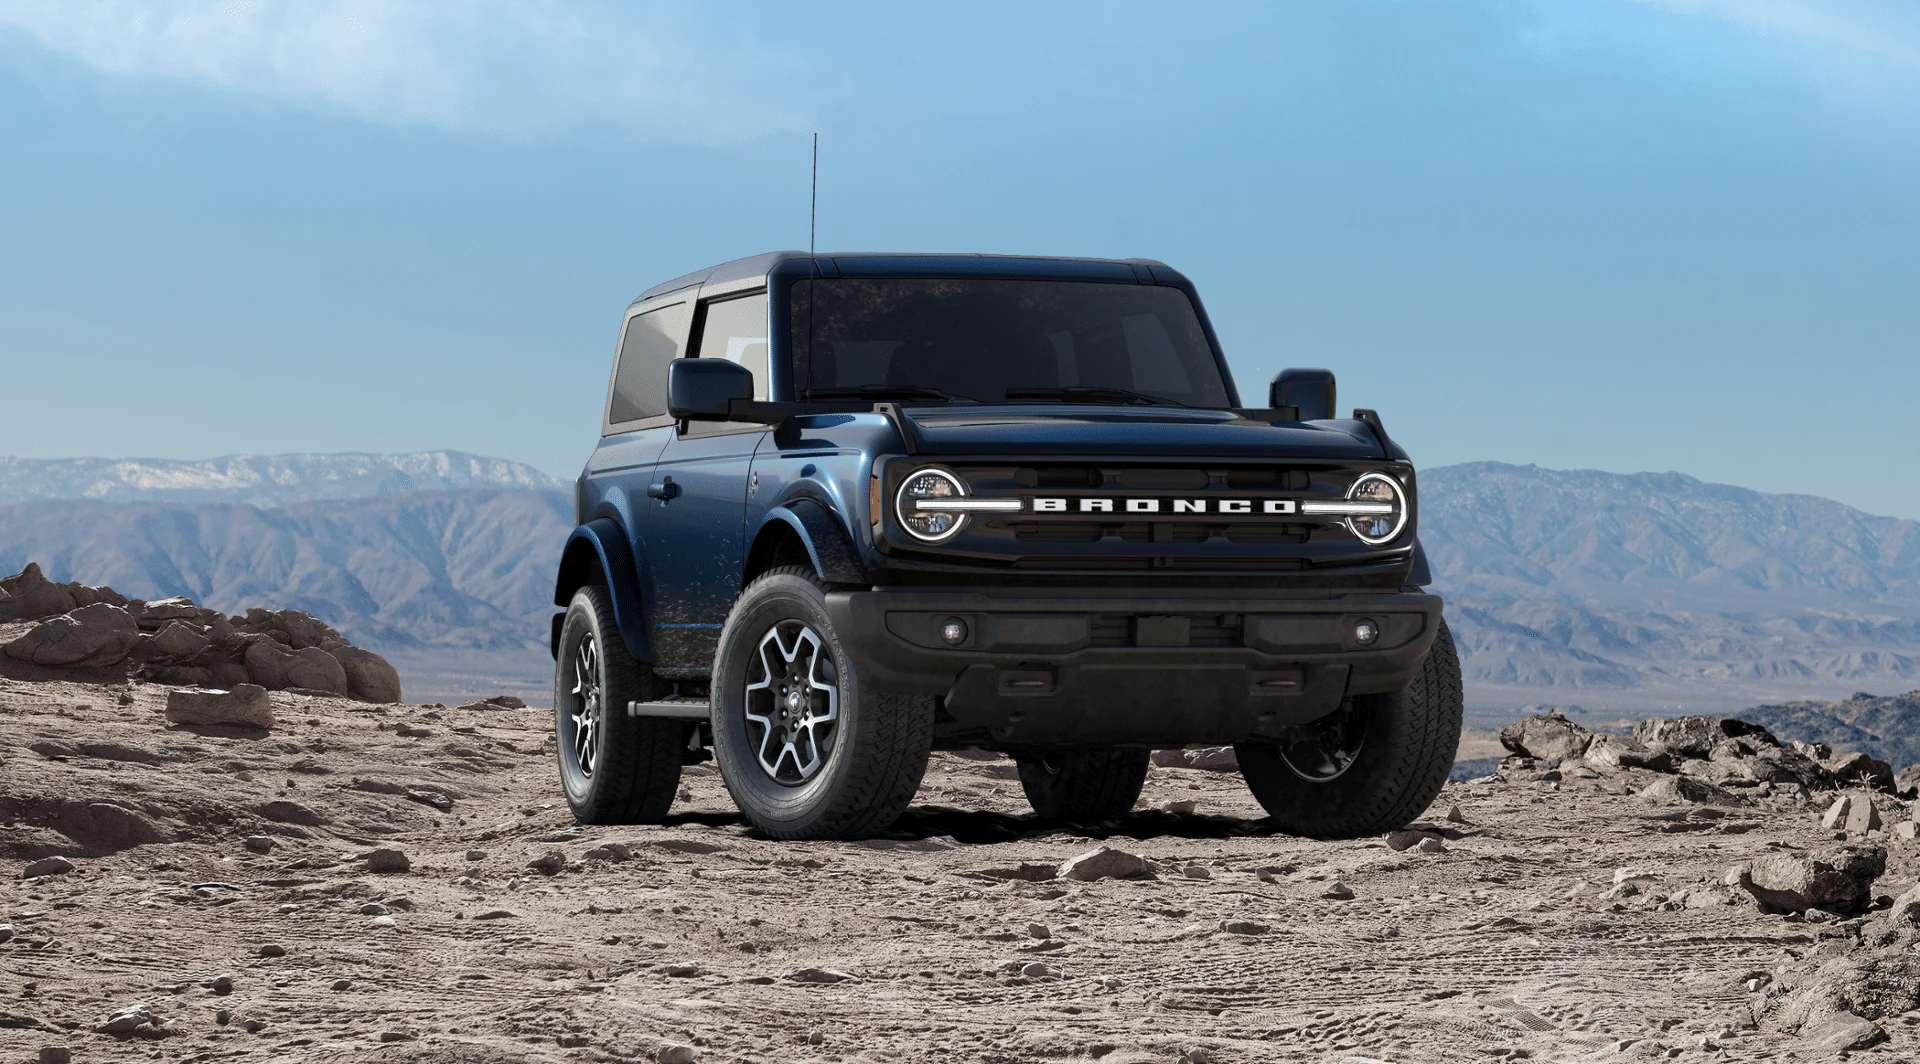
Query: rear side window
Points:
[736, 330]
[640, 380]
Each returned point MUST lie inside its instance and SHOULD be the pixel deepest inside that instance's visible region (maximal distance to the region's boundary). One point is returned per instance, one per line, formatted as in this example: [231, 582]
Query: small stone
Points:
[387, 861]
[1180, 808]
[498, 914]
[1836, 814]
[1432, 844]
[815, 1036]
[1907, 829]
[1197, 871]
[683, 971]
[1037, 970]
[608, 851]
[223, 984]
[254, 1026]
[476, 855]
[1244, 927]
[56, 1055]
[223, 1016]
[272, 949]
[549, 863]
[1398, 841]
[258, 843]
[1455, 816]
[677, 1053]
[384, 921]
[342, 984]
[1863, 817]
[125, 1020]
[47, 866]
[6, 933]
[1033, 931]
[395, 1036]
[817, 975]
[373, 908]
[1339, 892]
[1820, 916]
[1107, 863]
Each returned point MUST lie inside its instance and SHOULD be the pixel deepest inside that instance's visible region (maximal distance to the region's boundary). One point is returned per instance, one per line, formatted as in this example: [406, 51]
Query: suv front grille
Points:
[1155, 532]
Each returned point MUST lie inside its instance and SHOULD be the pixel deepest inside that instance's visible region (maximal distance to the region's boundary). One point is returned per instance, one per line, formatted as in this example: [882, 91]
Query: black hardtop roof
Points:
[897, 263]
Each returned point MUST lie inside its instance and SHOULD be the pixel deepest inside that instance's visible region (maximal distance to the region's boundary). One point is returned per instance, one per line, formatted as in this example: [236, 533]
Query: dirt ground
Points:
[947, 940]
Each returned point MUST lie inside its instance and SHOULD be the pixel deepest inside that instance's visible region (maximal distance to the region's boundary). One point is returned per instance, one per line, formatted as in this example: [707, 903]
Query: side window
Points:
[736, 330]
[640, 380]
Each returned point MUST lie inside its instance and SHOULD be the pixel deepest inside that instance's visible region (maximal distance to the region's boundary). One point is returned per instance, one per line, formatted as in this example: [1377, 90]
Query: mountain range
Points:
[1631, 594]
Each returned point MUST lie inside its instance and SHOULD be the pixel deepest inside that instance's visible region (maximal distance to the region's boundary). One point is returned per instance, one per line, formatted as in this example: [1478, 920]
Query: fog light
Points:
[1365, 633]
[954, 631]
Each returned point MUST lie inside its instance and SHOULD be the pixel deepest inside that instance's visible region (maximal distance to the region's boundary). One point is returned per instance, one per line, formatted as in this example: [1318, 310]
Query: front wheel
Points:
[806, 749]
[1370, 767]
[615, 769]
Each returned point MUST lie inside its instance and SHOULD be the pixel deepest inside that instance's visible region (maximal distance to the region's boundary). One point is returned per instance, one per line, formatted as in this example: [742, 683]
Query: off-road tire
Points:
[1084, 786]
[1411, 739]
[636, 770]
[881, 741]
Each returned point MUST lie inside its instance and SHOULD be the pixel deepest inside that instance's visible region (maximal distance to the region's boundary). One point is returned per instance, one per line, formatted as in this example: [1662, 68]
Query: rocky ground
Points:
[393, 882]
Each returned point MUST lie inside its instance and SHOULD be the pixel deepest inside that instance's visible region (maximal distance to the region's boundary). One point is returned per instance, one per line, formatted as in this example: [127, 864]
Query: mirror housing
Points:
[1311, 390]
[700, 389]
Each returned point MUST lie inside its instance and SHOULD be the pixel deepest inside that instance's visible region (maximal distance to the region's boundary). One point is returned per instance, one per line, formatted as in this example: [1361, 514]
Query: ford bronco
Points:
[850, 509]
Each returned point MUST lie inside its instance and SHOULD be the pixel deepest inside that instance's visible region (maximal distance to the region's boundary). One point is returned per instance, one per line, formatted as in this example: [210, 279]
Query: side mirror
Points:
[1311, 390]
[699, 389]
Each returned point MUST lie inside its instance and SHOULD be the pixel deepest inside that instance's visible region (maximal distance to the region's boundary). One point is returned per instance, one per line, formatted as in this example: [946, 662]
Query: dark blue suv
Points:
[849, 509]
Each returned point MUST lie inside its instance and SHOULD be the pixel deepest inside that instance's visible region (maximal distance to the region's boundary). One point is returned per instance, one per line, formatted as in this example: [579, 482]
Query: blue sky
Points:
[1622, 235]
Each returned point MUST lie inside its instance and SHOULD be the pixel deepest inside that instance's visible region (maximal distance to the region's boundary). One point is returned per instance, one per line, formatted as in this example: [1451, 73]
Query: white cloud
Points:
[482, 65]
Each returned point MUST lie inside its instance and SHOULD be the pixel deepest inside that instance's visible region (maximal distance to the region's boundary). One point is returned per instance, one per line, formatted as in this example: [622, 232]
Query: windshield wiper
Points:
[887, 391]
[1092, 392]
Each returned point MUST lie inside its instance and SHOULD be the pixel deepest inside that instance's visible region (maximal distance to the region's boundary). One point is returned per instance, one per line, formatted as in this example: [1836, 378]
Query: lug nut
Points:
[1366, 633]
[954, 631]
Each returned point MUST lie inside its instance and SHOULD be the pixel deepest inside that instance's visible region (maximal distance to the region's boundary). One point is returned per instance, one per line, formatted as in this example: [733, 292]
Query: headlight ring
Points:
[930, 525]
[1377, 529]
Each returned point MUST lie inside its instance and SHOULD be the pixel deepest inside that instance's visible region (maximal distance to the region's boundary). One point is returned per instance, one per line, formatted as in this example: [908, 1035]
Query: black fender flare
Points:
[826, 540]
[1422, 573]
[609, 546]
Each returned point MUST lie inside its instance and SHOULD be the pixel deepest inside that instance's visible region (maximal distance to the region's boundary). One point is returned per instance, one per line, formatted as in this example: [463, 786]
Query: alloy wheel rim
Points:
[585, 707]
[1327, 756]
[792, 702]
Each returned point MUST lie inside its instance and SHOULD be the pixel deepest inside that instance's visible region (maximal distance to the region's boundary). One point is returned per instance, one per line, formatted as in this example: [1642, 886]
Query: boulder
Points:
[1906, 782]
[369, 677]
[1696, 736]
[310, 667]
[246, 706]
[1854, 814]
[1857, 768]
[100, 634]
[1842, 1033]
[1787, 765]
[294, 628]
[28, 596]
[179, 641]
[1548, 735]
[106, 828]
[1624, 751]
[1839, 880]
[157, 614]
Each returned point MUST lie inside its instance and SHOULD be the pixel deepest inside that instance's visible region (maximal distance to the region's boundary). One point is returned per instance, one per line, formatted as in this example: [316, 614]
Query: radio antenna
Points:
[813, 204]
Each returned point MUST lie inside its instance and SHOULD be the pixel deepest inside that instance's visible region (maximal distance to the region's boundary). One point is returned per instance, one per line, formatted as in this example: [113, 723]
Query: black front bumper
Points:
[1133, 665]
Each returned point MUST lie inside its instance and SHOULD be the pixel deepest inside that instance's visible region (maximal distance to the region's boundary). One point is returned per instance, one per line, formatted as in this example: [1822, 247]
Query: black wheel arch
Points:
[802, 531]
[599, 552]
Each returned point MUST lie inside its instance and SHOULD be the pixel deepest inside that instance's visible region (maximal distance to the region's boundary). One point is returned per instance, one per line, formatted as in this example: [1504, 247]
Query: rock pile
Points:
[1714, 759]
[173, 641]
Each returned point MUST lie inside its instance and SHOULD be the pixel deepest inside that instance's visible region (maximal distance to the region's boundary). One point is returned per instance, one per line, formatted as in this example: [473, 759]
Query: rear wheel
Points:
[1084, 786]
[806, 749]
[615, 769]
[1372, 766]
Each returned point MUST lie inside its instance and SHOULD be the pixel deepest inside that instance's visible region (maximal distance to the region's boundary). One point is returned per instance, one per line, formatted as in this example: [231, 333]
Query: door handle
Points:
[664, 489]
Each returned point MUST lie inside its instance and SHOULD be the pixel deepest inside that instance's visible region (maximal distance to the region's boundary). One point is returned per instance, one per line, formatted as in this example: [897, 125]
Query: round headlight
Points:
[917, 505]
[1380, 490]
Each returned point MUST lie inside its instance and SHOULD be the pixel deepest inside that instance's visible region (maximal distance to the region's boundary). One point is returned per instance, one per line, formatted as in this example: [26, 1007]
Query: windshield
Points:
[955, 339]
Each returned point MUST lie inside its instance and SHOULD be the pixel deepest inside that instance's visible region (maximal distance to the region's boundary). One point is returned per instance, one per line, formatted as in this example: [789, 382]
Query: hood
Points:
[1097, 430]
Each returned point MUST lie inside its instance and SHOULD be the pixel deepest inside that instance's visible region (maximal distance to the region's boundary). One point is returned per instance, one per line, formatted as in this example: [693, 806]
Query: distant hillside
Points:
[408, 570]
[1658, 591]
[260, 480]
[1885, 727]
